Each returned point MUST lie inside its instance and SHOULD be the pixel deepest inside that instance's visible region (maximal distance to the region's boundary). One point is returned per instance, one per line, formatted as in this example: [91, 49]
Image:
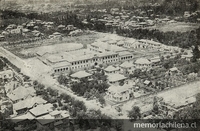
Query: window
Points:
[75, 63]
[72, 63]
[58, 70]
[66, 68]
[78, 62]
[55, 70]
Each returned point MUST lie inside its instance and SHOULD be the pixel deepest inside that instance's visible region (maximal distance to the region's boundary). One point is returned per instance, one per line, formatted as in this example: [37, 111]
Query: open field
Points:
[176, 27]
[30, 49]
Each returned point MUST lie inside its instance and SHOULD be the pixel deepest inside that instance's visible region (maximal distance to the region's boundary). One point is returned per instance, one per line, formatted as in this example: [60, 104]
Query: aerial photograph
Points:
[99, 65]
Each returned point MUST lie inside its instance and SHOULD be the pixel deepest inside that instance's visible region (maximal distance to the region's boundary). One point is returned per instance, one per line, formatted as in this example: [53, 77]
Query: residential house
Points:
[120, 43]
[155, 60]
[25, 105]
[137, 45]
[116, 78]
[142, 63]
[2, 37]
[102, 47]
[7, 74]
[5, 33]
[126, 67]
[6, 106]
[150, 43]
[187, 57]
[55, 117]
[22, 119]
[111, 70]
[173, 71]
[81, 75]
[41, 110]
[70, 27]
[119, 93]
[21, 93]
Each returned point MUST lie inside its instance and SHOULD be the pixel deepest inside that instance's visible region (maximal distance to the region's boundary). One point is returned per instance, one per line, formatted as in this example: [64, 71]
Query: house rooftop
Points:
[173, 69]
[126, 64]
[41, 109]
[115, 77]
[26, 116]
[142, 61]
[106, 46]
[45, 119]
[21, 92]
[111, 68]
[150, 42]
[81, 74]
[28, 103]
[119, 89]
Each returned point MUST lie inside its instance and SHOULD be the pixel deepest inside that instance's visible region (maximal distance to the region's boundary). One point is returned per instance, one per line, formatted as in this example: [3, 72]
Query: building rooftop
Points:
[28, 103]
[61, 64]
[155, 59]
[21, 93]
[45, 119]
[41, 109]
[126, 64]
[119, 89]
[124, 53]
[6, 72]
[81, 74]
[150, 42]
[173, 69]
[108, 47]
[111, 68]
[115, 77]
[142, 61]
[23, 117]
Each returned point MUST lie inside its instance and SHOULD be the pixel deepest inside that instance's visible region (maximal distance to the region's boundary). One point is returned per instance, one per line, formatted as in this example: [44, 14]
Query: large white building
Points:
[75, 60]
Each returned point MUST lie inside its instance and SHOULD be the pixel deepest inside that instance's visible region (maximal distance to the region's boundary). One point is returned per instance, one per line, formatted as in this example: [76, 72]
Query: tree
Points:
[55, 105]
[62, 80]
[102, 100]
[2, 64]
[196, 53]
[134, 113]
[35, 82]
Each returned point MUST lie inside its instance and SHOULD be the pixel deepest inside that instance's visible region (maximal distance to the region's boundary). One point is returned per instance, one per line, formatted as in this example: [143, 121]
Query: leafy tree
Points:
[62, 80]
[55, 105]
[134, 113]
[102, 100]
[2, 64]
[196, 53]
